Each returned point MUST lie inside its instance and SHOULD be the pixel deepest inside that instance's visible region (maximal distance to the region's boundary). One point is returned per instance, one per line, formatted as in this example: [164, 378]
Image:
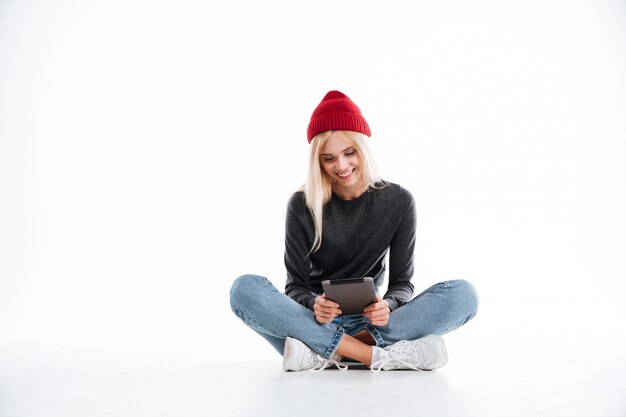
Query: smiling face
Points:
[341, 162]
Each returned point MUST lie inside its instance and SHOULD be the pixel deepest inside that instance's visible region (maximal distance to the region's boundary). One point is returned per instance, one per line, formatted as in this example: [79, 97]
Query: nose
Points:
[342, 164]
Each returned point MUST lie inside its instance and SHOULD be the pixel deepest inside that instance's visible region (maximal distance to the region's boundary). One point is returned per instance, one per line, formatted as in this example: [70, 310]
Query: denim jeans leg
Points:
[275, 316]
[438, 310]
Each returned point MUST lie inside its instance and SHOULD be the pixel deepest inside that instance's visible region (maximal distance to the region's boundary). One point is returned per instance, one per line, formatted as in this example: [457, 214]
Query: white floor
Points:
[486, 381]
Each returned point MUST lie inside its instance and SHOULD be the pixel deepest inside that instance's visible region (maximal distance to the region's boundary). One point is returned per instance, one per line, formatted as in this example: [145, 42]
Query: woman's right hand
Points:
[325, 310]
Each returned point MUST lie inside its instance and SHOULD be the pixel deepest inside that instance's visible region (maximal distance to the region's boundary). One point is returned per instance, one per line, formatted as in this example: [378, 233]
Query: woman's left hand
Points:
[378, 312]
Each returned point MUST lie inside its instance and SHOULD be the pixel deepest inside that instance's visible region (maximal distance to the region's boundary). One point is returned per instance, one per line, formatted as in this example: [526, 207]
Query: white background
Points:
[148, 149]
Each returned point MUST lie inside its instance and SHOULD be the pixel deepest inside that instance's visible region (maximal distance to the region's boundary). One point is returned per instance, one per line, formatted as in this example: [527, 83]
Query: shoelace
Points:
[319, 363]
[378, 365]
[402, 353]
[340, 366]
[325, 363]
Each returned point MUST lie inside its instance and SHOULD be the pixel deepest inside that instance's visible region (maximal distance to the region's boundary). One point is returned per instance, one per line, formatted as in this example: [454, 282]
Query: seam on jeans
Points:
[332, 348]
[378, 339]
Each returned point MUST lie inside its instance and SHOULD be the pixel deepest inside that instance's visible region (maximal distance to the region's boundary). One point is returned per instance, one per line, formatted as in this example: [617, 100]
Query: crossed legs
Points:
[438, 310]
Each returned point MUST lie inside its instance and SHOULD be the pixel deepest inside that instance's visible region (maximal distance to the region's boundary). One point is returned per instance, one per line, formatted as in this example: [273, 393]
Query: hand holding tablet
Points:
[352, 295]
[325, 310]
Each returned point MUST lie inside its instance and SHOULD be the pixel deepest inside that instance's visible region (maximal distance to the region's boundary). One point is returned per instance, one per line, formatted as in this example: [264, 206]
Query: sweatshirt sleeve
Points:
[401, 252]
[297, 247]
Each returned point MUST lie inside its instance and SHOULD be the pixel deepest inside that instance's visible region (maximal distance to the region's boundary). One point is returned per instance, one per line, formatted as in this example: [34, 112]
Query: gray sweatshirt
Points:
[356, 236]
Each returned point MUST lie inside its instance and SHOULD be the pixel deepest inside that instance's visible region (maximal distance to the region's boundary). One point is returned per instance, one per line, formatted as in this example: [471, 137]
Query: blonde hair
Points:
[318, 189]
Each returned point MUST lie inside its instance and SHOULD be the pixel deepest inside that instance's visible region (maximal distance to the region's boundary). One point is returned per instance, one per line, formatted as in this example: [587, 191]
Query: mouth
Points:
[346, 175]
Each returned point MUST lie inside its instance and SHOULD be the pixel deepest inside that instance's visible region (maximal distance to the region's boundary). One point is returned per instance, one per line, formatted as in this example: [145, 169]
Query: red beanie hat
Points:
[337, 112]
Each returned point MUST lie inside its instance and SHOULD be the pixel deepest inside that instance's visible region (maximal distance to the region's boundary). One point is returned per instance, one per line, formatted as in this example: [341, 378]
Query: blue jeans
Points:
[272, 314]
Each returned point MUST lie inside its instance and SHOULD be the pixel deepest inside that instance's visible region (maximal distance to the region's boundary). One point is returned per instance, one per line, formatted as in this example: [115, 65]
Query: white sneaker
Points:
[423, 354]
[300, 357]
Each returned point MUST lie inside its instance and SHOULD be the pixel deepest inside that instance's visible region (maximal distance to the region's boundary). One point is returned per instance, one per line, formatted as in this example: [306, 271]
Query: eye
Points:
[328, 159]
[350, 153]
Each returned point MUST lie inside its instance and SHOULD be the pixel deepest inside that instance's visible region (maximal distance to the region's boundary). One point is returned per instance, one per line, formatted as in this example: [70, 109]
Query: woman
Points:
[341, 225]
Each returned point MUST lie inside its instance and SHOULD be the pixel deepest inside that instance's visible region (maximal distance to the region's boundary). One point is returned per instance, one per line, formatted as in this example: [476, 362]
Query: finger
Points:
[377, 318]
[384, 311]
[324, 319]
[334, 313]
[326, 314]
[323, 314]
[370, 307]
[331, 309]
[375, 307]
[328, 310]
[375, 304]
[328, 303]
[376, 313]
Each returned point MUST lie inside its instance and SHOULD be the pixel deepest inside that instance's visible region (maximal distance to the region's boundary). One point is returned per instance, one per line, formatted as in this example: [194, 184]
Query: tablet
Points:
[352, 295]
